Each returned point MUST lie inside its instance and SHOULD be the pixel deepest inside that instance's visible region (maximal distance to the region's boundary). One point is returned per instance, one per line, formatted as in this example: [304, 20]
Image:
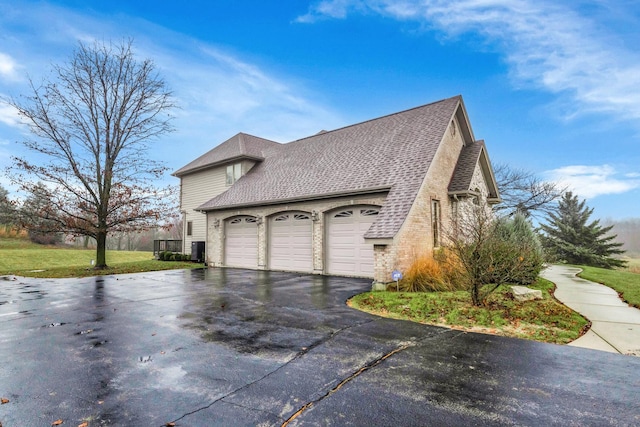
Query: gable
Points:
[389, 154]
[237, 148]
[473, 160]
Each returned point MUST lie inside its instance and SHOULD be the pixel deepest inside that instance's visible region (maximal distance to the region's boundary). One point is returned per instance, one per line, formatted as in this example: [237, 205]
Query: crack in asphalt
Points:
[355, 374]
[368, 366]
[294, 358]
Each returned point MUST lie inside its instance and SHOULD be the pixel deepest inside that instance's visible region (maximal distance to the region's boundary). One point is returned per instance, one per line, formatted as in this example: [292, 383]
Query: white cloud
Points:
[328, 9]
[219, 94]
[546, 44]
[9, 115]
[8, 67]
[592, 181]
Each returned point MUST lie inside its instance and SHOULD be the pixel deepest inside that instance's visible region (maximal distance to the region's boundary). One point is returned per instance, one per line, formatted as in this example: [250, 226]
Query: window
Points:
[189, 228]
[234, 172]
[435, 222]
[343, 214]
[369, 212]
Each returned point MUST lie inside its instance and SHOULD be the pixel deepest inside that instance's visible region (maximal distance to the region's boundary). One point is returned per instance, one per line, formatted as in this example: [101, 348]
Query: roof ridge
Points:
[459, 97]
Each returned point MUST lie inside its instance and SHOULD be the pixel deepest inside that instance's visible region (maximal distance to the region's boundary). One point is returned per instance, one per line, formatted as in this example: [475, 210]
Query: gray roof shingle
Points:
[239, 146]
[463, 174]
[471, 155]
[392, 153]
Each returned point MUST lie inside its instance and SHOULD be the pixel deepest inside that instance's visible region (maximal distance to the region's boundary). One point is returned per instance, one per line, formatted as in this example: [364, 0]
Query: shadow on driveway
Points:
[238, 347]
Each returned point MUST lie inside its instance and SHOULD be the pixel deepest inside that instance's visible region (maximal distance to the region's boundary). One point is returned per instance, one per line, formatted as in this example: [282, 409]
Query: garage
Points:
[347, 252]
[241, 242]
[290, 242]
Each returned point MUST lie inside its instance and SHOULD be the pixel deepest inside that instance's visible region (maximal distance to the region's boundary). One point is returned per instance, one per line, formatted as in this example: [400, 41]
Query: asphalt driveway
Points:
[238, 347]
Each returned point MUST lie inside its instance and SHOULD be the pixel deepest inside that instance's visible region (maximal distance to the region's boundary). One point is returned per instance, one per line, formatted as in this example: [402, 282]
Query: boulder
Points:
[522, 293]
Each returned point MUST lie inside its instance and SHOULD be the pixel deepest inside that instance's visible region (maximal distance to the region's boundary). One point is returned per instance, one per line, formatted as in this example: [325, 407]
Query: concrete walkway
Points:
[615, 326]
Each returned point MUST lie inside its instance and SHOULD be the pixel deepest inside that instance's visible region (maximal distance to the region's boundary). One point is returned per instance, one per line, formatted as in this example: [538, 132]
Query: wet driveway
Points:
[236, 347]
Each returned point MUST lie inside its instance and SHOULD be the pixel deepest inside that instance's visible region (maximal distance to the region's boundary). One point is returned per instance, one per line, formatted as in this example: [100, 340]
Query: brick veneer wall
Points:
[415, 238]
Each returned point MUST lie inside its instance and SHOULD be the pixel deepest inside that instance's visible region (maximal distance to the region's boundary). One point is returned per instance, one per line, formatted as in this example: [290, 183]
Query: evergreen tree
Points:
[7, 210]
[37, 215]
[568, 236]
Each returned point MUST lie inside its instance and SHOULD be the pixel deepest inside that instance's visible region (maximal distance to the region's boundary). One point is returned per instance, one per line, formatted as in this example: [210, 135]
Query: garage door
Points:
[347, 253]
[241, 242]
[290, 242]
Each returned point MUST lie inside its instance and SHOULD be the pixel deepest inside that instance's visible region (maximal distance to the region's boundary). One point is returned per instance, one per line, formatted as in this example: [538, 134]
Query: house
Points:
[361, 200]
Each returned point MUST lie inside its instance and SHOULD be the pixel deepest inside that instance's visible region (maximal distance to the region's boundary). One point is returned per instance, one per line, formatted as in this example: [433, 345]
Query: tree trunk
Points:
[101, 250]
[475, 294]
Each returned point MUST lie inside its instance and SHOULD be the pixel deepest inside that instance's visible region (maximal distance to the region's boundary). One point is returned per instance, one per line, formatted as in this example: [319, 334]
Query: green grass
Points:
[624, 282]
[21, 257]
[544, 320]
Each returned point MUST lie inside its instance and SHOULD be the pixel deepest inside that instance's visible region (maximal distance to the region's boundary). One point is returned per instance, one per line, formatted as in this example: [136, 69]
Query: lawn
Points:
[544, 320]
[23, 258]
[624, 282]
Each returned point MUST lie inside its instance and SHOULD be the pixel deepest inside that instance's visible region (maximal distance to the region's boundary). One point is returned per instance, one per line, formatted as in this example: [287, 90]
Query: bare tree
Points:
[494, 252]
[92, 122]
[522, 191]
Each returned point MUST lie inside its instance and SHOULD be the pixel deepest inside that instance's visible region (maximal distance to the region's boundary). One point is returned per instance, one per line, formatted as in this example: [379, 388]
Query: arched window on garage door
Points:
[347, 254]
[241, 242]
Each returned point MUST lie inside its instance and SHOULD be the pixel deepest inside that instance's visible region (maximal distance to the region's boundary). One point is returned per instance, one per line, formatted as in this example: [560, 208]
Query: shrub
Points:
[519, 233]
[186, 257]
[496, 252]
[45, 238]
[440, 272]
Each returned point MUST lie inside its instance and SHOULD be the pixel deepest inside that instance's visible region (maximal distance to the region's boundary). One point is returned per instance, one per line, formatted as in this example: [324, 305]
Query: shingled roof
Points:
[471, 155]
[240, 146]
[391, 153]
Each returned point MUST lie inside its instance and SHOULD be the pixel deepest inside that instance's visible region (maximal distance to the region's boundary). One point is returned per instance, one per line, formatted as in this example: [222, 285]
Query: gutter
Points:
[308, 198]
[180, 173]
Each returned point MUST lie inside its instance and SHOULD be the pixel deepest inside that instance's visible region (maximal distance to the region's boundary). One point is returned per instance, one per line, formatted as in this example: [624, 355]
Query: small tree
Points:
[569, 237]
[493, 253]
[92, 124]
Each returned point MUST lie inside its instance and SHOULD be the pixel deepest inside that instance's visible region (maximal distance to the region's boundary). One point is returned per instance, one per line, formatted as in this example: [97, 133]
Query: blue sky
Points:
[551, 88]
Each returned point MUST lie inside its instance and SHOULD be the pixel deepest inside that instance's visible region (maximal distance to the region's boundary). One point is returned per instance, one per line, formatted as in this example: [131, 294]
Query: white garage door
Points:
[241, 242]
[290, 242]
[347, 253]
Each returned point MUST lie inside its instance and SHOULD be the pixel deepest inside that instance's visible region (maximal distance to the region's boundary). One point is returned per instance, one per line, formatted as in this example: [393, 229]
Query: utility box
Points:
[197, 251]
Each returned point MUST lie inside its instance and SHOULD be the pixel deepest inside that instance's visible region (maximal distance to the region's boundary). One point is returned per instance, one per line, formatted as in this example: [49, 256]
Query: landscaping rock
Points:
[522, 293]
[377, 286]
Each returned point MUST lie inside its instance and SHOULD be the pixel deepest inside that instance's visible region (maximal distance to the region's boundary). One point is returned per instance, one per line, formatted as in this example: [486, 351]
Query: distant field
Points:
[21, 257]
[633, 265]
